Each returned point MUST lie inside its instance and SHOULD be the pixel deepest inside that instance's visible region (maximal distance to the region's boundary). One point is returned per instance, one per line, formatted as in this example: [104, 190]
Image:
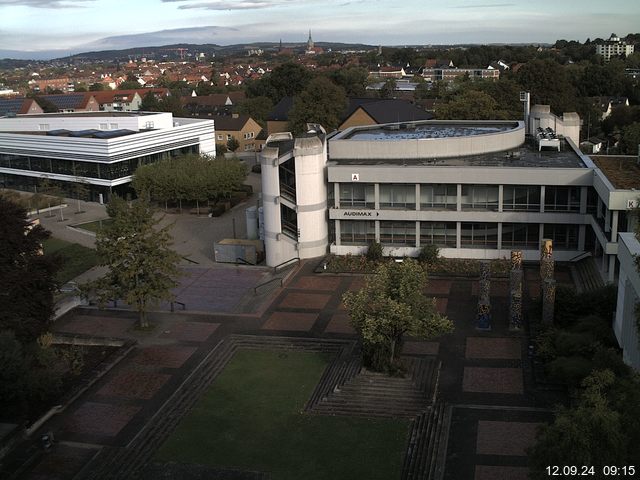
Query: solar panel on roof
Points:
[67, 101]
[113, 133]
[12, 105]
[85, 133]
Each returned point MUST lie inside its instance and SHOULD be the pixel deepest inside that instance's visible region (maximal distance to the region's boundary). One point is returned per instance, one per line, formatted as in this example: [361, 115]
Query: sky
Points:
[81, 25]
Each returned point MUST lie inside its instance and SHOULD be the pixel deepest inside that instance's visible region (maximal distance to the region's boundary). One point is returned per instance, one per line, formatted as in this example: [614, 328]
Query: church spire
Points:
[310, 42]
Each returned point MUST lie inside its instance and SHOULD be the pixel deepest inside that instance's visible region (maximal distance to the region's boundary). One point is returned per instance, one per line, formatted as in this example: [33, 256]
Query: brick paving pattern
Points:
[96, 325]
[505, 438]
[495, 472]
[134, 385]
[492, 380]
[61, 464]
[300, 322]
[339, 323]
[438, 287]
[100, 419]
[494, 348]
[316, 283]
[420, 348]
[312, 301]
[164, 356]
[191, 331]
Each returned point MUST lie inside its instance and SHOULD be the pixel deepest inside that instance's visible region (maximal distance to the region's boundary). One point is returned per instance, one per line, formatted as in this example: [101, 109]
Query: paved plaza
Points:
[485, 379]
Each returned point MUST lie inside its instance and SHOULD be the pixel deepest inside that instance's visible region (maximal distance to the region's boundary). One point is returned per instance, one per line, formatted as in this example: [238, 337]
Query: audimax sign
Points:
[359, 213]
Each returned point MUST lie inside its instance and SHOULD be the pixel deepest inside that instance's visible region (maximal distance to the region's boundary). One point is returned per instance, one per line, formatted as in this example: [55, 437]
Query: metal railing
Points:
[243, 261]
[255, 289]
[580, 256]
[286, 264]
[184, 307]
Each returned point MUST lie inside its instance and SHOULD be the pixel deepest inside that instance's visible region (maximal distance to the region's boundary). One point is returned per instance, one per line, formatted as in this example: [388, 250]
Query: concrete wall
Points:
[624, 325]
[78, 121]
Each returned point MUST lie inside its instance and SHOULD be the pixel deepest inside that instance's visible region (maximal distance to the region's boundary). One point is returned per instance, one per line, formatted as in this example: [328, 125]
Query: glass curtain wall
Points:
[438, 196]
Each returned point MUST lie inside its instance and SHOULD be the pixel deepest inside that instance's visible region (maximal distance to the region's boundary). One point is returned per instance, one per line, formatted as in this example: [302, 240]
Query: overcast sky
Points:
[72, 24]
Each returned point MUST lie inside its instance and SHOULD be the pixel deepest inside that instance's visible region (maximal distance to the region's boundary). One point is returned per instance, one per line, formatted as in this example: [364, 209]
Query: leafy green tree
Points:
[321, 102]
[393, 304]
[589, 434]
[27, 277]
[471, 105]
[352, 79]
[286, 80]
[142, 266]
[80, 189]
[98, 87]
[630, 139]
[150, 103]
[549, 84]
[46, 105]
[388, 89]
[257, 108]
[233, 144]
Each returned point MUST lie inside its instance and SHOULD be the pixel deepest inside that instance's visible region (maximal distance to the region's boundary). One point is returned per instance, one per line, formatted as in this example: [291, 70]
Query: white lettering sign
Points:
[632, 204]
[355, 177]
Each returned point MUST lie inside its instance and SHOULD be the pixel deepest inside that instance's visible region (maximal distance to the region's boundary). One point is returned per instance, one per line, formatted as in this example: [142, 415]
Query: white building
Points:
[625, 324]
[614, 47]
[102, 149]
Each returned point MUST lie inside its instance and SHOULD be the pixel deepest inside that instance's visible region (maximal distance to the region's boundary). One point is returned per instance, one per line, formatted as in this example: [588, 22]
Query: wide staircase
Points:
[426, 450]
[586, 275]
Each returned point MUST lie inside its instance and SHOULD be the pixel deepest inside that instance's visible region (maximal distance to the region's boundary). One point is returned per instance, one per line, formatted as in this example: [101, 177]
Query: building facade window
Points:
[480, 197]
[440, 234]
[565, 237]
[353, 232]
[521, 198]
[521, 235]
[438, 196]
[359, 195]
[562, 199]
[479, 235]
[287, 173]
[289, 222]
[399, 234]
[398, 196]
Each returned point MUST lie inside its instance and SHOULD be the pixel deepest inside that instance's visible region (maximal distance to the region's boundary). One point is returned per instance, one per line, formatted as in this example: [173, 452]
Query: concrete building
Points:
[614, 47]
[625, 324]
[475, 189]
[241, 127]
[102, 149]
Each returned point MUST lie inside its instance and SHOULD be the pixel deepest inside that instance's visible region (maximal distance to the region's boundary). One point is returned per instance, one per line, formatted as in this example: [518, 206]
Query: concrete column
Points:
[417, 196]
[599, 208]
[500, 228]
[607, 220]
[377, 228]
[500, 201]
[376, 196]
[459, 199]
[612, 268]
[337, 223]
[336, 195]
[541, 233]
[614, 225]
[418, 234]
[458, 231]
[583, 200]
[582, 235]
[542, 193]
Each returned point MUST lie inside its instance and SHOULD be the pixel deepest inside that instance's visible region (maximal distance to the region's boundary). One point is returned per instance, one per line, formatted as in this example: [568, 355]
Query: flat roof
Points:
[88, 114]
[412, 131]
[527, 155]
[622, 171]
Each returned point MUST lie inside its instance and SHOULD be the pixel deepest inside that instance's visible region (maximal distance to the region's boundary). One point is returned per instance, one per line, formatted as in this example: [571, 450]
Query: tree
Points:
[150, 103]
[142, 266]
[630, 139]
[80, 189]
[471, 105]
[393, 304]
[352, 79]
[257, 108]
[47, 106]
[589, 434]
[98, 87]
[549, 84]
[321, 102]
[388, 89]
[27, 277]
[285, 80]
[233, 144]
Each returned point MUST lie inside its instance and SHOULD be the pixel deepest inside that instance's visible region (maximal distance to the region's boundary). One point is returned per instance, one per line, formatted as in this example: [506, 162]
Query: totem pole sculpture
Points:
[548, 283]
[515, 291]
[483, 317]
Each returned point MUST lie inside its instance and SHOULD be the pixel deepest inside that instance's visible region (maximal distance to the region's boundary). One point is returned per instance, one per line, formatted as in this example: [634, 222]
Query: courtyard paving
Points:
[485, 379]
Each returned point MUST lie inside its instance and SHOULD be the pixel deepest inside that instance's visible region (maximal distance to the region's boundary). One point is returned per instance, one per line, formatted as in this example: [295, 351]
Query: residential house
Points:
[74, 102]
[607, 104]
[375, 111]
[215, 104]
[19, 106]
[614, 47]
[241, 127]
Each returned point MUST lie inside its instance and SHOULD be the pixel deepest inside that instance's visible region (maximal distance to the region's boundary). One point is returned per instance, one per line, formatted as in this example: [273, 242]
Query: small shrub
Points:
[569, 370]
[374, 252]
[571, 343]
[429, 254]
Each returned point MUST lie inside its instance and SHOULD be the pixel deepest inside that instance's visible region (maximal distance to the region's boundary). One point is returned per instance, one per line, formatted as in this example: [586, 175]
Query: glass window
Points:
[592, 201]
[353, 232]
[520, 235]
[39, 164]
[479, 235]
[562, 199]
[480, 197]
[565, 237]
[438, 196]
[521, 198]
[441, 234]
[357, 195]
[64, 167]
[398, 196]
[87, 169]
[289, 222]
[287, 172]
[398, 233]
[115, 170]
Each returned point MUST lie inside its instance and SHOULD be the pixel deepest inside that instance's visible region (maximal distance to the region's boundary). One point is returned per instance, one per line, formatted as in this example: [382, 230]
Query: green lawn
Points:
[250, 419]
[76, 259]
[94, 226]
